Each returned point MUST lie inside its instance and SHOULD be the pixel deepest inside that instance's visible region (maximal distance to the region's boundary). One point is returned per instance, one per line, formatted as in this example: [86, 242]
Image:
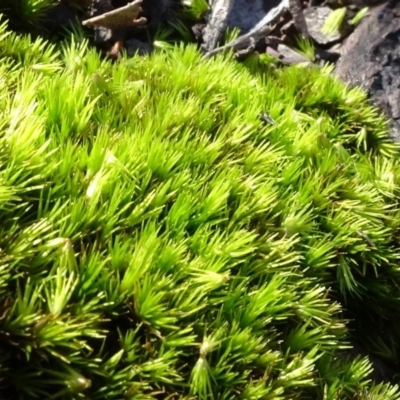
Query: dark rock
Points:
[134, 46]
[158, 12]
[61, 15]
[370, 58]
[101, 35]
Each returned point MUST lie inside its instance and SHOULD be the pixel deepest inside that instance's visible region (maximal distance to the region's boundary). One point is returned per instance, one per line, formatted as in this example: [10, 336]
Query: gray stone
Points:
[370, 58]
[315, 19]
[290, 56]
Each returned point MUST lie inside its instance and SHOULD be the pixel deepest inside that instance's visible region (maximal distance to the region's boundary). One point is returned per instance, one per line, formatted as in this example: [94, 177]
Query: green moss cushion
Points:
[158, 240]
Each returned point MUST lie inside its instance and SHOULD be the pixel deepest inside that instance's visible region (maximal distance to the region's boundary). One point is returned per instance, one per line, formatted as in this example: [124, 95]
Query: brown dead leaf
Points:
[115, 50]
[120, 18]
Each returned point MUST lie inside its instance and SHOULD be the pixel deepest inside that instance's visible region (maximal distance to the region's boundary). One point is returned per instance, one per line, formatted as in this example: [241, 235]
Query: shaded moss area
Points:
[159, 241]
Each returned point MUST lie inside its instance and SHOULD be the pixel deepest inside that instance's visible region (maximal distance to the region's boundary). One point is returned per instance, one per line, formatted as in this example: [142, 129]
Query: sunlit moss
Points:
[161, 241]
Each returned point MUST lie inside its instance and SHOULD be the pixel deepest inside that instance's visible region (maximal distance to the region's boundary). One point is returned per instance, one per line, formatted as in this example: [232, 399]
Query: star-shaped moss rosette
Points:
[158, 240]
[121, 18]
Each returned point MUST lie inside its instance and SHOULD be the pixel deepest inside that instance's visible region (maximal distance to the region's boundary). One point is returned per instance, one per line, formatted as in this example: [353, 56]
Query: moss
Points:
[159, 241]
[26, 15]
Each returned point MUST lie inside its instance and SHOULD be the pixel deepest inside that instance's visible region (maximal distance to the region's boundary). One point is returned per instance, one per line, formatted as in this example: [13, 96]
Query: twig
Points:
[242, 41]
[123, 17]
[262, 29]
[217, 23]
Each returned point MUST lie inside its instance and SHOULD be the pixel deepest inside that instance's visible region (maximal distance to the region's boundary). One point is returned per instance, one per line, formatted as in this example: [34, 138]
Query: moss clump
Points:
[26, 15]
[158, 241]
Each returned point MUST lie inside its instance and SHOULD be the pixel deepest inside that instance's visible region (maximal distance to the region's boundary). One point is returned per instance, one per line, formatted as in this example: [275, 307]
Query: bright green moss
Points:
[158, 241]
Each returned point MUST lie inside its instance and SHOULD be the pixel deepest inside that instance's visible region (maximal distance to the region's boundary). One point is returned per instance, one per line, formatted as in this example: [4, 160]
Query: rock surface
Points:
[371, 59]
[315, 19]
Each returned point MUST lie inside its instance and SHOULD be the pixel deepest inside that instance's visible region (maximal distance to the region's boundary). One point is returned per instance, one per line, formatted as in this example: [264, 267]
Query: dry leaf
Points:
[120, 18]
[115, 50]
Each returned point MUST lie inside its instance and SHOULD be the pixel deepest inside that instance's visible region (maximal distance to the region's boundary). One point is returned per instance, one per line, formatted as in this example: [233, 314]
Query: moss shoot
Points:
[160, 241]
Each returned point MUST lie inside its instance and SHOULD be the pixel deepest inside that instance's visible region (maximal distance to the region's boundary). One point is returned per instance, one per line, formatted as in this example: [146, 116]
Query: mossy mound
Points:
[159, 241]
